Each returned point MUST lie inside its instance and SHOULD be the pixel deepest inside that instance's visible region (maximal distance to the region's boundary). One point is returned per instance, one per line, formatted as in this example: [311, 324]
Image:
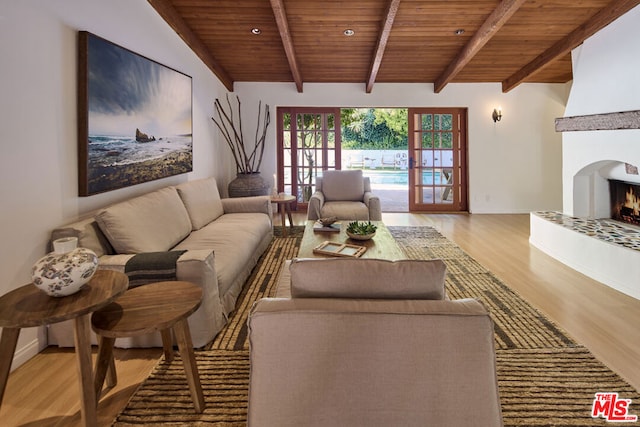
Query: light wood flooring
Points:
[44, 391]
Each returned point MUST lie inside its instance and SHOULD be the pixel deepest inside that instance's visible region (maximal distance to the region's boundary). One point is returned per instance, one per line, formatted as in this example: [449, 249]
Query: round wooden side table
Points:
[284, 202]
[161, 306]
[28, 306]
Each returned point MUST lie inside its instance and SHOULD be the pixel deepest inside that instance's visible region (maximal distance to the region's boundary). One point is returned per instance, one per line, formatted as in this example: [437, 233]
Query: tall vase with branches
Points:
[248, 158]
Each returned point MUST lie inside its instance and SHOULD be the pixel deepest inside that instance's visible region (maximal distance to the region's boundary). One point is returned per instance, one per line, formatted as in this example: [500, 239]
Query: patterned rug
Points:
[545, 377]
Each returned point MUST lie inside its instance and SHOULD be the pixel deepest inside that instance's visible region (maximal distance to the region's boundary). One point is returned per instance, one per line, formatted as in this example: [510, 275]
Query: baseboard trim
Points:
[24, 353]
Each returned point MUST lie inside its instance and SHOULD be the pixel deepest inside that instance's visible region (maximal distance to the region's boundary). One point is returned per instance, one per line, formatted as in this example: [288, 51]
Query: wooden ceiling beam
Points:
[283, 26]
[600, 20]
[487, 30]
[389, 17]
[166, 10]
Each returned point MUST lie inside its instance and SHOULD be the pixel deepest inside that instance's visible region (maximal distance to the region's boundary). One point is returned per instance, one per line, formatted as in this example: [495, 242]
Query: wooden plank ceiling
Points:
[405, 41]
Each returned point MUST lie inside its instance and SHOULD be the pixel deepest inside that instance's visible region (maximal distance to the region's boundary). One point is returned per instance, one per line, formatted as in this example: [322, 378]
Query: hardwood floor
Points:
[44, 391]
[597, 316]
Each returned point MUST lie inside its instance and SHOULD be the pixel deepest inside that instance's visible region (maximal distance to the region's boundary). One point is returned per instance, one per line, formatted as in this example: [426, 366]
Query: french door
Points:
[438, 159]
[308, 143]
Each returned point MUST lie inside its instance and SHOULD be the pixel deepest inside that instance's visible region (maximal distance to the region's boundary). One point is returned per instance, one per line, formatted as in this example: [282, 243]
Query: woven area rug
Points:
[545, 377]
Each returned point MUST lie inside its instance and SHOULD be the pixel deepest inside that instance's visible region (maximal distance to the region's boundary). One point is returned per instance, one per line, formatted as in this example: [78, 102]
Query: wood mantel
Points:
[607, 121]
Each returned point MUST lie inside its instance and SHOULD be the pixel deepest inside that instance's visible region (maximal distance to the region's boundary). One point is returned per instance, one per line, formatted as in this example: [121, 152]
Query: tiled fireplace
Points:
[603, 143]
[601, 239]
[598, 234]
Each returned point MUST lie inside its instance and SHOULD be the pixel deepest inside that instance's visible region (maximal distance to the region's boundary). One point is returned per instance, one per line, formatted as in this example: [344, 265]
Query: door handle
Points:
[410, 162]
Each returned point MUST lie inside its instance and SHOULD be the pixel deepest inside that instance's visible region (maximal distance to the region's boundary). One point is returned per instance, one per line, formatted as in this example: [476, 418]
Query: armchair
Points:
[345, 194]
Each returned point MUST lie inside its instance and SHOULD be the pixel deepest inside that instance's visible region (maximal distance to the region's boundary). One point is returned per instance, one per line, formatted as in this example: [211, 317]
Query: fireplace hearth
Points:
[605, 250]
[601, 229]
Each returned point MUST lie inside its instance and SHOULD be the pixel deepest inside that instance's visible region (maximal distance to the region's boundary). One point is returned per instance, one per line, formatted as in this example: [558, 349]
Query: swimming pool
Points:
[401, 177]
[395, 177]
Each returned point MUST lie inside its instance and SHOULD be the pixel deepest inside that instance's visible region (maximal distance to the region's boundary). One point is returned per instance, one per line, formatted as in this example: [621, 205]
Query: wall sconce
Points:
[497, 114]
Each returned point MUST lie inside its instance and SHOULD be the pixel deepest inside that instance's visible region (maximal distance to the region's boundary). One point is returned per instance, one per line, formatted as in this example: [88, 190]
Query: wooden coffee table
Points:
[381, 246]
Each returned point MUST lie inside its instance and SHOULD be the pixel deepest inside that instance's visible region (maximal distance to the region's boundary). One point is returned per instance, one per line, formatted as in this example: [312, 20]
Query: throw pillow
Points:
[88, 234]
[202, 200]
[151, 223]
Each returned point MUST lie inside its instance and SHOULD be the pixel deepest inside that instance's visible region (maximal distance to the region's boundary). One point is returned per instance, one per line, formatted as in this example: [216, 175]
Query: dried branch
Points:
[231, 129]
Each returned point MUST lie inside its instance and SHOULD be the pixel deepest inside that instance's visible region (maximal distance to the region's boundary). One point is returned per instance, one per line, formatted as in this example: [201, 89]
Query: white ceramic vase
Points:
[65, 270]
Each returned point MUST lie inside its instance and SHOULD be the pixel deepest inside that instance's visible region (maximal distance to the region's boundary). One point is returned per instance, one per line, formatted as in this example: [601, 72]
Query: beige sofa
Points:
[357, 352]
[222, 239]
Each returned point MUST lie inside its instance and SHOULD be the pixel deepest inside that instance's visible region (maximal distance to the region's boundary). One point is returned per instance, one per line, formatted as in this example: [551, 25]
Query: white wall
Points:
[38, 161]
[605, 73]
[514, 164]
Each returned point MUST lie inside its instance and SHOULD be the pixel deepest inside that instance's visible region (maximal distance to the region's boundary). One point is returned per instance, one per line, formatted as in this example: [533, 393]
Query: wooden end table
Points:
[284, 202]
[28, 306]
[161, 306]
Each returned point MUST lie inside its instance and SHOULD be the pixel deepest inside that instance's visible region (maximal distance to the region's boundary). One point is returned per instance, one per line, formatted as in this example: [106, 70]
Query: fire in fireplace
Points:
[625, 201]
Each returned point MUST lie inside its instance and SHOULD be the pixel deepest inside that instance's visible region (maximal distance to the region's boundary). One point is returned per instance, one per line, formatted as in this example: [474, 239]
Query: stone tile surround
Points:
[601, 229]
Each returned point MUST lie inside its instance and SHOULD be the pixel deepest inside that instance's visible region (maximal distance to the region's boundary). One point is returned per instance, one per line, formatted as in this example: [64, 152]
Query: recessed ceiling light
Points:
[256, 31]
[459, 32]
[349, 32]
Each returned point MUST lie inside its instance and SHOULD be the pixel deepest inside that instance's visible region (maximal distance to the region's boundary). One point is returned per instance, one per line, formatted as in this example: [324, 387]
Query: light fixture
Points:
[497, 114]
[348, 32]
[256, 31]
[459, 32]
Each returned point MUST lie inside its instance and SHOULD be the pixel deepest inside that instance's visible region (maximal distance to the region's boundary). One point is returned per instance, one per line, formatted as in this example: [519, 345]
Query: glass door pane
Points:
[308, 141]
[438, 136]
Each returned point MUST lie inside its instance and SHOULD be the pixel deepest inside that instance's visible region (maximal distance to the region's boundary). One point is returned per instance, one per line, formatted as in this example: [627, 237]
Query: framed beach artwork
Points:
[134, 118]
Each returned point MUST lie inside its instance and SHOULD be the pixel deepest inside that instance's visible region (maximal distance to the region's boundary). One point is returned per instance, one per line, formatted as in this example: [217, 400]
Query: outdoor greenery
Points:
[374, 128]
[361, 129]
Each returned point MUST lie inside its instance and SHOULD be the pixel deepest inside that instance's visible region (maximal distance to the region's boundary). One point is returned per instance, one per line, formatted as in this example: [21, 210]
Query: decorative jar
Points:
[65, 270]
[248, 184]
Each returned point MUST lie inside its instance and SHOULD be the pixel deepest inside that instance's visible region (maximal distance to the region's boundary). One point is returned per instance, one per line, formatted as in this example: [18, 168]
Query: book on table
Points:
[318, 226]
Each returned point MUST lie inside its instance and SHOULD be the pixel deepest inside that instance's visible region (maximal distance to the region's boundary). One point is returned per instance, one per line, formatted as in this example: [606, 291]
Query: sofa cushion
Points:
[343, 185]
[202, 200]
[233, 239]
[367, 278]
[346, 210]
[151, 223]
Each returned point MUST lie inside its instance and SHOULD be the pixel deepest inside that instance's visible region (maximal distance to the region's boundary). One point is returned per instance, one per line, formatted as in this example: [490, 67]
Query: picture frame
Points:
[135, 118]
[339, 249]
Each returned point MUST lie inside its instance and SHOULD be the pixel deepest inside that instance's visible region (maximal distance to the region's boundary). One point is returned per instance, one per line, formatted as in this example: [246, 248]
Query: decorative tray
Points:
[339, 249]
